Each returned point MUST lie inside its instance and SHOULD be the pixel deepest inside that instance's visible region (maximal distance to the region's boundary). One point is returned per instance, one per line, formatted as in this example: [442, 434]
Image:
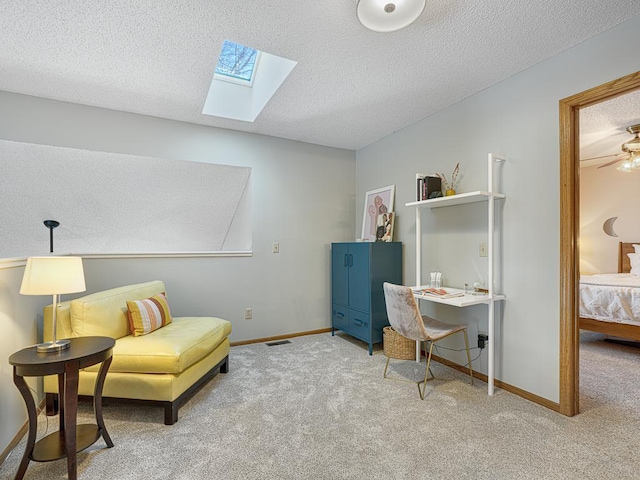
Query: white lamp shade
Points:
[53, 276]
[388, 15]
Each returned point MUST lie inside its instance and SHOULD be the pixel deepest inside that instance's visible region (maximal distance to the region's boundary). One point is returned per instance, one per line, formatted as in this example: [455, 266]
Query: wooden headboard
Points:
[624, 264]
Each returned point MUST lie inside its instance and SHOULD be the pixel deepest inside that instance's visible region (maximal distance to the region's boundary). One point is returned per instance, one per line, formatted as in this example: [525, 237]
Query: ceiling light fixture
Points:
[632, 145]
[625, 166]
[388, 15]
[631, 163]
[632, 151]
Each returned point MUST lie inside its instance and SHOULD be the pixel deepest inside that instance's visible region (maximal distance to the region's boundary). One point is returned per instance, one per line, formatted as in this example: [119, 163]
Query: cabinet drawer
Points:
[339, 317]
[359, 325]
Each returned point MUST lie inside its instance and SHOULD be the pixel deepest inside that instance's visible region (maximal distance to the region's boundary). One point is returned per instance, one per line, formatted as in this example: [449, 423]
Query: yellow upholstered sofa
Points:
[164, 367]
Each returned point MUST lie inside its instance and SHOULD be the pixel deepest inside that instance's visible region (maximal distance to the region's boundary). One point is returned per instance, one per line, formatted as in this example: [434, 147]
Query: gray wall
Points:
[517, 118]
[303, 198]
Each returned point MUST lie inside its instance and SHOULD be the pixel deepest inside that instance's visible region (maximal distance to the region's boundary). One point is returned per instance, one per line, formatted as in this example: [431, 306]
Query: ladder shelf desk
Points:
[489, 196]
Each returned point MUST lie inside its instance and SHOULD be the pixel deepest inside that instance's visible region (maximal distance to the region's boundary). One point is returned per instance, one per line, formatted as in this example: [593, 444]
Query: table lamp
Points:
[53, 276]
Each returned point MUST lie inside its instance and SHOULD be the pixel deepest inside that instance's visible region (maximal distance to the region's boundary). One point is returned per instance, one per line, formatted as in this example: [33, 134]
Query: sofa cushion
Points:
[148, 315]
[105, 313]
[170, 349]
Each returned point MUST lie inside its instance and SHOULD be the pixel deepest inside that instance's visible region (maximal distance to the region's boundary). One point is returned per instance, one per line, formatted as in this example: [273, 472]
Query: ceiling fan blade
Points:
[611, 162]
[597, 158]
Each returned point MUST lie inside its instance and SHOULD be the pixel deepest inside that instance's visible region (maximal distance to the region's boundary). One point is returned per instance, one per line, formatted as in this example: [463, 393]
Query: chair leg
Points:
[466, 344]
[384, 375]
[426, 374]
[386, 367]
[425, 354]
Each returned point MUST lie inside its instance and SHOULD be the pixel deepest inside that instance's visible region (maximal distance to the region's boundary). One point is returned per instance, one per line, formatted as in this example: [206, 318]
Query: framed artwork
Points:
[376, 202]
[384, 227]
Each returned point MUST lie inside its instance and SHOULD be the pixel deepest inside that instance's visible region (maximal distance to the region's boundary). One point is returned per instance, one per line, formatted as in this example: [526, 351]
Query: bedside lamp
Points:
[53, 276]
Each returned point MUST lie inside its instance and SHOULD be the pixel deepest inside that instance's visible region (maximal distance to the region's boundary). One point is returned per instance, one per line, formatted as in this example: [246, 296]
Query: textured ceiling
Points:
[603, 128]
[351, 86]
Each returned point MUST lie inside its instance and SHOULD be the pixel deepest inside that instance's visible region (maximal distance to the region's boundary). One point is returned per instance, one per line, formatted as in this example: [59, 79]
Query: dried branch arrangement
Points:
[454, 177]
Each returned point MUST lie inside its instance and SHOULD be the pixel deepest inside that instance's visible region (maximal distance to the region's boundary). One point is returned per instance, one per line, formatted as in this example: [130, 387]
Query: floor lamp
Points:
[53, 276]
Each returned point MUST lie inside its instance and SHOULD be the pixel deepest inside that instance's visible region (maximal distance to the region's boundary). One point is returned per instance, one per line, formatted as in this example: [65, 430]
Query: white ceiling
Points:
[351, 86]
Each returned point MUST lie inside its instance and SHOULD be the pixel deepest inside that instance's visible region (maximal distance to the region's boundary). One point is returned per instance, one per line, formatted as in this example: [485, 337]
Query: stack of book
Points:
[428, 186]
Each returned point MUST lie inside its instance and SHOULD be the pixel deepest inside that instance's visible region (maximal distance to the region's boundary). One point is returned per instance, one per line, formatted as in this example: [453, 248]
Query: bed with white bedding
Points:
[610, 303]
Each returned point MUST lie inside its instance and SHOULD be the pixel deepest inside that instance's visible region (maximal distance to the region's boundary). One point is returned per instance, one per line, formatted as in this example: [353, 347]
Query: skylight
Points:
[237, 61]
[244, 81]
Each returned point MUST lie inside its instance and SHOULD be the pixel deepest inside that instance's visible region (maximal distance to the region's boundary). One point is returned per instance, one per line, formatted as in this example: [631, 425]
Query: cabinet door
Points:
[359, 276]
[340, 273]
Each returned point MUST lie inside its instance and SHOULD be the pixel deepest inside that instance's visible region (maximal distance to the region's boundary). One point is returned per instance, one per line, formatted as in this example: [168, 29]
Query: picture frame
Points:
[384, 229]
[376, 202]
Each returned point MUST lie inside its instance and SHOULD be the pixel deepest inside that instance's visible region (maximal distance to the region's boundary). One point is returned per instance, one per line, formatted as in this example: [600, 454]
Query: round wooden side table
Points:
[70, 438]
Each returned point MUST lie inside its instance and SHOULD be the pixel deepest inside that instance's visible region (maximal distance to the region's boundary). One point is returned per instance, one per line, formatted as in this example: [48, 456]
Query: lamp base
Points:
[49, 347]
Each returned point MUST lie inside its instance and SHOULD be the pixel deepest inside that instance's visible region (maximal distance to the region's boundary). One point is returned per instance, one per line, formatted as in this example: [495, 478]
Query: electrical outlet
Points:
[484, 251]
[483, 338]
[276, 247]
[248, 313]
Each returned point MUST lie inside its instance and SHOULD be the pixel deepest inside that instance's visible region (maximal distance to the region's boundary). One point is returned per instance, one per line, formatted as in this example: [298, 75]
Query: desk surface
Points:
[465, 300]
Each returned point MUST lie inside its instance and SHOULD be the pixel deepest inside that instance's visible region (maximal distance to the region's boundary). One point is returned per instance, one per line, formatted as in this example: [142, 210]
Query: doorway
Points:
[569, 231]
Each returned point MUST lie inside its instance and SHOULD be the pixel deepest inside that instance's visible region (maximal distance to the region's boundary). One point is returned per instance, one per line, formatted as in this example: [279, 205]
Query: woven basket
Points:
[397, 346]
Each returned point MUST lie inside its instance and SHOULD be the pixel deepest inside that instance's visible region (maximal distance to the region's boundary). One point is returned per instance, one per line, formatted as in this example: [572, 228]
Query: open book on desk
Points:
[438, 292]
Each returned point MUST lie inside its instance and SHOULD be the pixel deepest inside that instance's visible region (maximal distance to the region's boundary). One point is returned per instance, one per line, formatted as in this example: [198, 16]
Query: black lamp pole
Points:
[51, 224]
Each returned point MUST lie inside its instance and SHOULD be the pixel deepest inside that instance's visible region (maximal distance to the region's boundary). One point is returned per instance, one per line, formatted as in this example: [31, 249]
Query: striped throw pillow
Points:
[148, 315]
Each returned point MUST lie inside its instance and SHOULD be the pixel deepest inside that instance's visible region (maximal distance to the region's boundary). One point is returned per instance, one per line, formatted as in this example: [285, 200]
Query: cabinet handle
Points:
[358, 322]
[346, 260]
[351, 260]
[339, 314]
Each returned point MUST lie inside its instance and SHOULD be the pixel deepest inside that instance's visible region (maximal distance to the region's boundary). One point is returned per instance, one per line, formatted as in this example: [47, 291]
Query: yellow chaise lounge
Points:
[164, 367]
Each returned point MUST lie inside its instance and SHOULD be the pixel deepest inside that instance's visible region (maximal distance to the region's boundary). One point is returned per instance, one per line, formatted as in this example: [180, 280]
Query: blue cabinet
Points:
[358, 270]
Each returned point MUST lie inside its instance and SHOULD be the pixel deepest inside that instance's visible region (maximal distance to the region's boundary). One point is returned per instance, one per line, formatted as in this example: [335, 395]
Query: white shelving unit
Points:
[490, 197]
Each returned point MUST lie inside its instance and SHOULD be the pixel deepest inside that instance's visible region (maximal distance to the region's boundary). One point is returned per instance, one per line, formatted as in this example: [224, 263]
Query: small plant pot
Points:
[450, 192]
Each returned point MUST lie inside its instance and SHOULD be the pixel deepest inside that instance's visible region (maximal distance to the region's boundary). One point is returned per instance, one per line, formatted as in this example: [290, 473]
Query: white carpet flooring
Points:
[318, 408]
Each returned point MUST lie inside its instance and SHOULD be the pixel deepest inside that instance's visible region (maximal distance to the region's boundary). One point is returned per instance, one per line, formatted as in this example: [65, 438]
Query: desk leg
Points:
[70, 404]
[33, 423]
[97, 401]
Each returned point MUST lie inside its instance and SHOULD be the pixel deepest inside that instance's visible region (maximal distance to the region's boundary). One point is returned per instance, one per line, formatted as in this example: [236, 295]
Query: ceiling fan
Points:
[630, 156]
